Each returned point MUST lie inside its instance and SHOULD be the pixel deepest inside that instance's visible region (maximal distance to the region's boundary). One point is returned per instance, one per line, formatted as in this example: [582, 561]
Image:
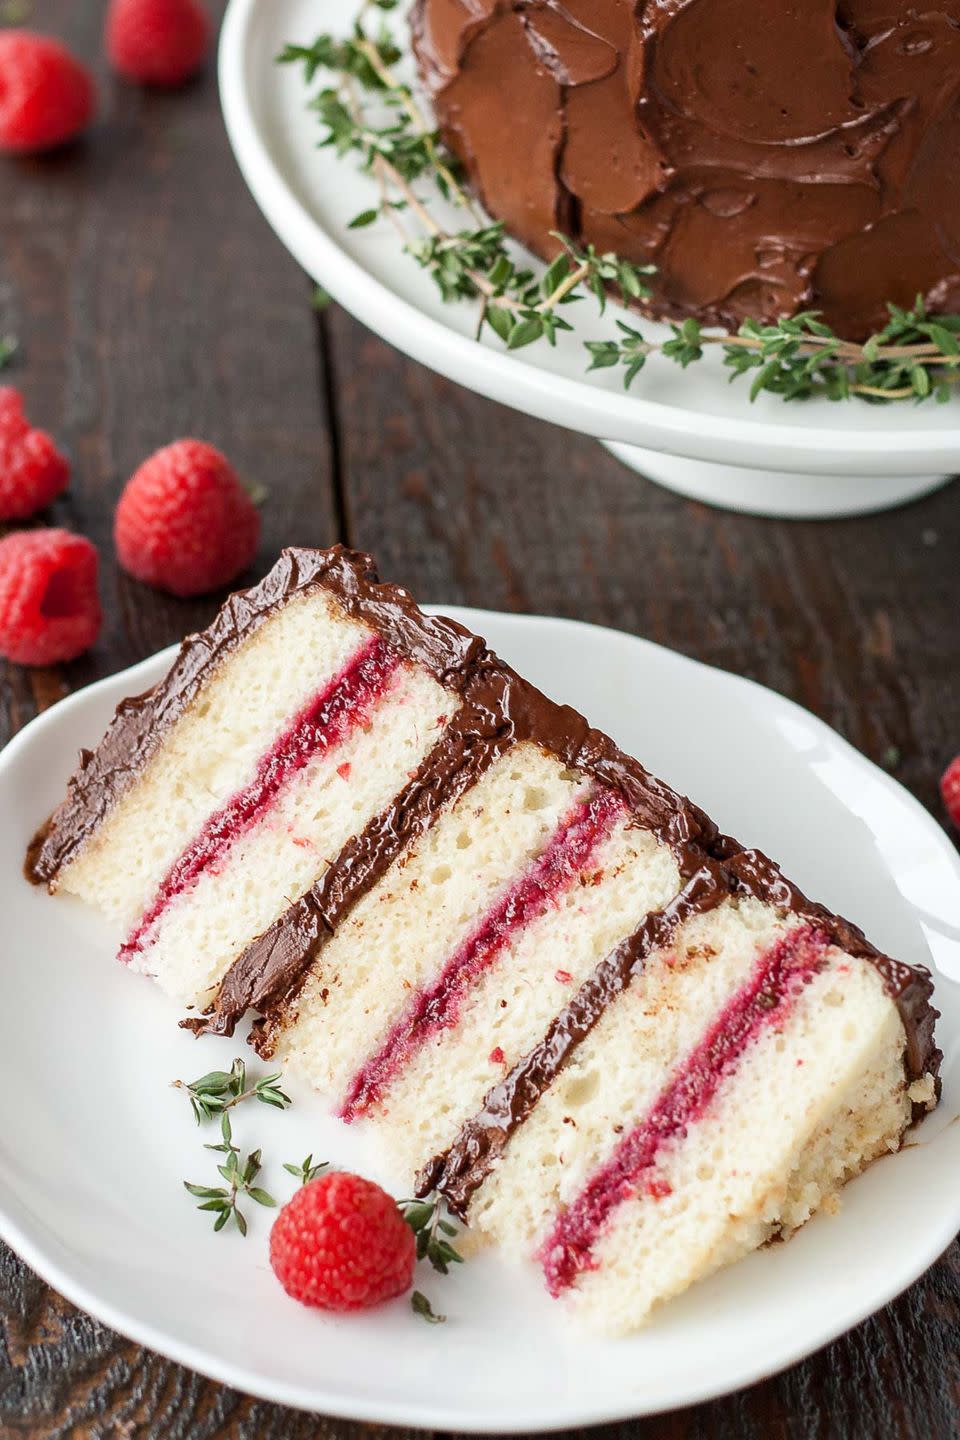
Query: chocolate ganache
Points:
[768, 156]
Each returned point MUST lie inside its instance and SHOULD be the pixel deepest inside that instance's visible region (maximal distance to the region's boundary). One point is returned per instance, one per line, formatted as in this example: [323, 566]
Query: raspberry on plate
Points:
[32, 470]
[157, 42]
[49, 606]
[184, 522]
[342, 1244]
[950, 790]
[46, 95]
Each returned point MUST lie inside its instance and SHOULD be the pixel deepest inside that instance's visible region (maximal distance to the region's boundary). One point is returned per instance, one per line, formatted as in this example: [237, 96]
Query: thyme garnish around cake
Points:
[433, 1231]
[371, 114]
[222, 1089]
[421, 1306]
[239, 1174]
[306, 1170]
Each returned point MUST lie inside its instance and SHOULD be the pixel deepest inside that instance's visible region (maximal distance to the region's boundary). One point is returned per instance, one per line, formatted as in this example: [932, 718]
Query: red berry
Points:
[158, 42]
[950, 790]
[342, 1244]
[46, 96]
[184, 522]
[32, 470]
[49, 607]
[658, 1188]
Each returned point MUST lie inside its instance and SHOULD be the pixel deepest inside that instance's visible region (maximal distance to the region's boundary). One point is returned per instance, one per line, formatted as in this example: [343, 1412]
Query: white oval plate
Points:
[94, 1143]
[309, 197]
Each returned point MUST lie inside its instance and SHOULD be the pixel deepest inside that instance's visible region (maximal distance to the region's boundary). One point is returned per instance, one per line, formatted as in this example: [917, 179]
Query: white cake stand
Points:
[692, 431]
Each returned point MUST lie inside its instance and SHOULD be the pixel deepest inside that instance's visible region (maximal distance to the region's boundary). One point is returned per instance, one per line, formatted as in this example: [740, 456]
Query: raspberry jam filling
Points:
[438, 1006]
[764, 1001]
[325, 721]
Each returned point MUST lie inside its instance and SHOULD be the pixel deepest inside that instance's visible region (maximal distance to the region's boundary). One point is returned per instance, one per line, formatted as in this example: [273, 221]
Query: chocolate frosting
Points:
[798, 154]
[497, 709]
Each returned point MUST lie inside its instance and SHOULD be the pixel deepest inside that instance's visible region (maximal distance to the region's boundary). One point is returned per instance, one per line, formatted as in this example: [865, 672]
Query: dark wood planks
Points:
[152, 302]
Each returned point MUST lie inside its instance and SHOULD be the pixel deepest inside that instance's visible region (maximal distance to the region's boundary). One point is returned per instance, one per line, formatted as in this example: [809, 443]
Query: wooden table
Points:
[152, 302]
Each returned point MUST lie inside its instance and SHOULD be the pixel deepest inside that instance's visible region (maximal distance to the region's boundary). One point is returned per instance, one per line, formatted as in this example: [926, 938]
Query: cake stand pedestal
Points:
[777, 494]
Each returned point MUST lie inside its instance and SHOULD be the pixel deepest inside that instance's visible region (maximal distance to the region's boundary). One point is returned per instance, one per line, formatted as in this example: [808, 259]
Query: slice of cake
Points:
[619, 1043]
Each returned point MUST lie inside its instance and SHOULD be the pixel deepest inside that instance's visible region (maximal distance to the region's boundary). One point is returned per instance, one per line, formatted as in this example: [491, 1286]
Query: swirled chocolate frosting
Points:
[768, 156]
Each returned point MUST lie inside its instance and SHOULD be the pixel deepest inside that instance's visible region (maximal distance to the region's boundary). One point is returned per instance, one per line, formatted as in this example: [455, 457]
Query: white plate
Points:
[94, 1144]
[309, 196]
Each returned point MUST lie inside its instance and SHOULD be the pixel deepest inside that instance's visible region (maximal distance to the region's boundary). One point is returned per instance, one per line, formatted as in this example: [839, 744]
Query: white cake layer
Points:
[512, 1004]
[618, 1071]
[212, 751]
[399, 936]
[823, 1096]
[327, 802]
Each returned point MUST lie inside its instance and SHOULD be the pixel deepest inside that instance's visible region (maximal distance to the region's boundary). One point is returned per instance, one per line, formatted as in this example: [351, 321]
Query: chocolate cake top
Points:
[768, 156]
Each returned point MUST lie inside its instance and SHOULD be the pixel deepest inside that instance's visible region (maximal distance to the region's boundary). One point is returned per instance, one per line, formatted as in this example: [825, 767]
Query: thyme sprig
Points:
[222, 1089]
[306, 1170]
[433, 1229]
[796, 358]
[421, 1306]
[239, 1174]
[370, 113]
[9, 346]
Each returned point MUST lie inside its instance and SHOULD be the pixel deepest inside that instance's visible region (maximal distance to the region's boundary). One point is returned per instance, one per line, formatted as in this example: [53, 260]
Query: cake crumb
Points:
[923, 1091]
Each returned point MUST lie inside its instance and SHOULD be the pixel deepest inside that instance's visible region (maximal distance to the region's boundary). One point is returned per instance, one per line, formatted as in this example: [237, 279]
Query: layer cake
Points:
[617, 1041]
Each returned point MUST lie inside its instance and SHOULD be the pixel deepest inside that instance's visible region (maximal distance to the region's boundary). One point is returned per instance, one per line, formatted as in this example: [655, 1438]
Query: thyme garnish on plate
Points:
[222, 1089]
[216, 1094]
[373, 115]
[433, 1229]
[421, 1306]
[8, 348]
[239, 1175]
[429, 1222]
[306, 1170]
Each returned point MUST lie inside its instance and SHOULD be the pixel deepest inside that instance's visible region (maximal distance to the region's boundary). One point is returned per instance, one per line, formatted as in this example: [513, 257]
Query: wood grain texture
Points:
[152, 302]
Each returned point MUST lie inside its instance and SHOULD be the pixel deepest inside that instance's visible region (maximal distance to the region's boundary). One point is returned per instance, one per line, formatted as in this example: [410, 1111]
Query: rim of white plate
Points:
[575, 403]
[348, 1405]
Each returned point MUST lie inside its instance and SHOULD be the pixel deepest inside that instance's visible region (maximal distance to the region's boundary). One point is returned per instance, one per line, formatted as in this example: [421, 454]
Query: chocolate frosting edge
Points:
[140, 722]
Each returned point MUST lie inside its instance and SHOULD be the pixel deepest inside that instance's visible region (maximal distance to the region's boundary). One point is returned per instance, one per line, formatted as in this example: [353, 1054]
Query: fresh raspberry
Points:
[184, 522]
[342, 1244]
[158, 42]
[32, 470]
[46, 96]
[950, 790]
[49, 607]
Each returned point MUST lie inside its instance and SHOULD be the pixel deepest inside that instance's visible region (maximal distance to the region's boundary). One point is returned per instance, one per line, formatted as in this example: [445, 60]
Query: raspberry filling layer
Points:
[325, 721]
[438, 1006]
[762, 1003]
